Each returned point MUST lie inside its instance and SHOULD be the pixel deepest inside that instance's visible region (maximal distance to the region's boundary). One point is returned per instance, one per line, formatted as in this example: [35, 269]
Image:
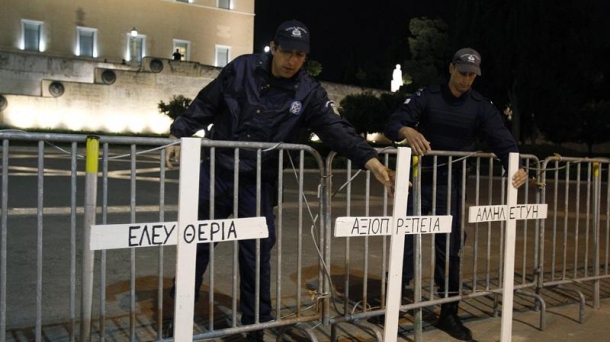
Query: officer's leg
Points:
[247, 255]
[449, 320]
[407, 261]
[425, 198]
[407, 256]
[455, 239]
[223, 207]
[454, 260]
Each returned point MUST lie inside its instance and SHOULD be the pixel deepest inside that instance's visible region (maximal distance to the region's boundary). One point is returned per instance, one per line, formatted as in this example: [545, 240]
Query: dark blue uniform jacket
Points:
[246, 103]
[454, 124]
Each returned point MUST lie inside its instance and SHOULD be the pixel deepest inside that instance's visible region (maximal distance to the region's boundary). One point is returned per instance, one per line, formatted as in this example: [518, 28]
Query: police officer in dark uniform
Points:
[450, 117]
[264, 98]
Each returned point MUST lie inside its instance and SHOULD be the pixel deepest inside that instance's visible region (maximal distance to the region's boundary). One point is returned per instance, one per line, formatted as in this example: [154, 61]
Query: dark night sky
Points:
[368, 30]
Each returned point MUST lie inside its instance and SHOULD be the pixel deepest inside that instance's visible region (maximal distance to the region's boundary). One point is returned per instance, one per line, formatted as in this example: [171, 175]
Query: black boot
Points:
[450, 322]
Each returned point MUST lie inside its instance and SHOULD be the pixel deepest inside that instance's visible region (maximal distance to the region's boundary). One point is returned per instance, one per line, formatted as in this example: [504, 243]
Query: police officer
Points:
[264, 98]
[450, 117]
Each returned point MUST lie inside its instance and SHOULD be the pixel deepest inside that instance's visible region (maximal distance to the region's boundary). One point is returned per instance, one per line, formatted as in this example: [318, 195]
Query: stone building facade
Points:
[105, 65]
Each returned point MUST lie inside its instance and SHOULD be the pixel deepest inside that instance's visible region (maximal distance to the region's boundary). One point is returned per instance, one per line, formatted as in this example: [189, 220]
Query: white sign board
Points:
[491, 213]
[383, 225]
[132, 235]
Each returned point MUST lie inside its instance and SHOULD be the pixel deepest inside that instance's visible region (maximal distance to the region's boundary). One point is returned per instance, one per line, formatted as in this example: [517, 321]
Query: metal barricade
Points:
[576, 249]
[317, 281]
[360, 265]
[41, 256]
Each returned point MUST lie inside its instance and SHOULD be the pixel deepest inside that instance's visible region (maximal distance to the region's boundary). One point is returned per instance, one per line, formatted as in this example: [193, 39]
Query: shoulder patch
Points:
[295, 107]
[330, 104]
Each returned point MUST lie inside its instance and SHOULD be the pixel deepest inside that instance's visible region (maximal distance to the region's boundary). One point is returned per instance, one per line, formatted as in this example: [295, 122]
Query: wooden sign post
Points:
[186, 234]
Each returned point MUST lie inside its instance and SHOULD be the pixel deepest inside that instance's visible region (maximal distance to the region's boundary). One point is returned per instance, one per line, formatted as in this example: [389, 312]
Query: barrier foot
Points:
[539, 303]
[373, 330]
[307, 332]
[581, 300]
[368, 327]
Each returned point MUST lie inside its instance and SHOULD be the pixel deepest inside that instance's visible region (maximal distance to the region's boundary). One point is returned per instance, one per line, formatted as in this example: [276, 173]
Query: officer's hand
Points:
[383, 174]
[172, 153]
[519, 178]
[416, 140]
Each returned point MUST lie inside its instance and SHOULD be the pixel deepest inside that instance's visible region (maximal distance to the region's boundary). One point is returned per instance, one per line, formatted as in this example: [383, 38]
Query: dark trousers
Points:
[440, 240]
[223, 208]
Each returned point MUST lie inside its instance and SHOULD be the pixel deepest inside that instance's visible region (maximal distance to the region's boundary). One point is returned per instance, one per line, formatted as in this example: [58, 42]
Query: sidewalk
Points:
[482, 315]
[561, 325]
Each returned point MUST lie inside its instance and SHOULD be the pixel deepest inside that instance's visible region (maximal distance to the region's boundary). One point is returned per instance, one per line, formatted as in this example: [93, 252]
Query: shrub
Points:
[176, 106]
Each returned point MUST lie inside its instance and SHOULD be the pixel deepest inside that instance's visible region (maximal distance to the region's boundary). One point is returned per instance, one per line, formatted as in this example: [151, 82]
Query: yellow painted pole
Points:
[92, 161]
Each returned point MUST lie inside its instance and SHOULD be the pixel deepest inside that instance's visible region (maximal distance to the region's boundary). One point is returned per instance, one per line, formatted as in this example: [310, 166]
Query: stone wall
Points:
[70, 93]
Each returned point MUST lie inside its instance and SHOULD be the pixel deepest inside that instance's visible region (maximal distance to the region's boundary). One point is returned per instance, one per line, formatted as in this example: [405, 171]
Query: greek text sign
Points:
[133, 235]
[504, 212]
[382, 225]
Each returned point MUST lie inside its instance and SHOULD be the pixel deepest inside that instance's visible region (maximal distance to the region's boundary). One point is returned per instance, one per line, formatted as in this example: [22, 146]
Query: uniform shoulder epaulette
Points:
[431, 89]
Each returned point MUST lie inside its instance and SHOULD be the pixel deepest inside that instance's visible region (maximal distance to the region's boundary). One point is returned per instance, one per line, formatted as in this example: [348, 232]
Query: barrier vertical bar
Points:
[103, 256]
[132, 252]
[3, 237]
[596, 229]
[324, 241]
[39, 211]
[93, 151]
[161, 251]
[73, 248]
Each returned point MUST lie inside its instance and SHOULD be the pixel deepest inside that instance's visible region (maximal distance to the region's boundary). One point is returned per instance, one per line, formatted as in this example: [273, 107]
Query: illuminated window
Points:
[226, 4]
[86, 42]
[223, 54]
[183, 46]
[32, 35]
[136, 46]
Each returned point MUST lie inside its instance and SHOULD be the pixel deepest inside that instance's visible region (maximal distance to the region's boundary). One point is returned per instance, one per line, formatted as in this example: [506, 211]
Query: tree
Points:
[369, 113]
[362, 111]
[390, 103]
[314, 68]
[428, 46]
[176, 106]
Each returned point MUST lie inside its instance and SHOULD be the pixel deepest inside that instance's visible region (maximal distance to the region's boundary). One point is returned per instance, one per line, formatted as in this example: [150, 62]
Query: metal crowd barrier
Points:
[41, 264]
[318, 281]
[574, 258]
[361, 286]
